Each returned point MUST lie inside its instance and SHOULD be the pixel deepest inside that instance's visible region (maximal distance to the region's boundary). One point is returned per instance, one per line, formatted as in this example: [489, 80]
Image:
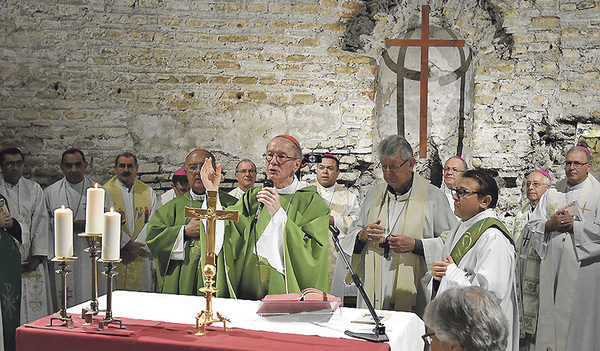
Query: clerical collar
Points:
[78, 187]
[393, 192]
[197, 197]
[292, 188]
[576, 186]
[329, 189]
[125, 186]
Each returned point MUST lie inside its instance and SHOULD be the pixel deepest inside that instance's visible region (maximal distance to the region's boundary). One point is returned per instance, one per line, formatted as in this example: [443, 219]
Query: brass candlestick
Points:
[206, 317]
[110, 272]
[64, 317]
[94, 250]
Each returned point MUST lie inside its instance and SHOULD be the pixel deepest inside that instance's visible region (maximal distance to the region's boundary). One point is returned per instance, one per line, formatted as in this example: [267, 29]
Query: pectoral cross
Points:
[211, 214]
[425, 43]
[386, 247]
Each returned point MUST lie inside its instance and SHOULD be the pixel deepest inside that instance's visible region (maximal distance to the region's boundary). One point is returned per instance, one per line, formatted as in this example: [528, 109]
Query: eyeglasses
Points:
[453, 169]
[575, 164]
[13, 164]
[280, 158]
[427, 338]
[244, 171]
[460, 193]
[392, 168]
[535, 184]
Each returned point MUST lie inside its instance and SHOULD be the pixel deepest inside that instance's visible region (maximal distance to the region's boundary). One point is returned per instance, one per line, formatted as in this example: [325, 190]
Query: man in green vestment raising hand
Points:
[287, 247]
[178, 244]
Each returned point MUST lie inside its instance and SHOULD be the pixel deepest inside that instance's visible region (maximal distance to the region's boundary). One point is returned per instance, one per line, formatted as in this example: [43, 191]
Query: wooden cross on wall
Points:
[424, 43]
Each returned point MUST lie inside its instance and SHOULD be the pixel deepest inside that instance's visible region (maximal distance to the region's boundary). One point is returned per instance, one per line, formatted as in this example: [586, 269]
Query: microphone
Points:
[334, 230]
[267, 184]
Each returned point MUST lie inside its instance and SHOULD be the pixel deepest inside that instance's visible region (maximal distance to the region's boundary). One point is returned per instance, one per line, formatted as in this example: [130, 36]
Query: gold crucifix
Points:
[425, 43]
[211, 214]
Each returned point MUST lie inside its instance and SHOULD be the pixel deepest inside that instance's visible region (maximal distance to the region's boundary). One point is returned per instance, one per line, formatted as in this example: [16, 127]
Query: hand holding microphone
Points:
[269, 197]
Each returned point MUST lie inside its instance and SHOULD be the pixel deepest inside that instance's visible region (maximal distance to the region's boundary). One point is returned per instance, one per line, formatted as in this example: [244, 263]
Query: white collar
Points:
[197, 197]
[292, 188]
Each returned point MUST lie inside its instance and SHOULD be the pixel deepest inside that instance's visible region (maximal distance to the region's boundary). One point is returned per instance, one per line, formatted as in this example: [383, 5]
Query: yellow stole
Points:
[408, 267]
[130, 275]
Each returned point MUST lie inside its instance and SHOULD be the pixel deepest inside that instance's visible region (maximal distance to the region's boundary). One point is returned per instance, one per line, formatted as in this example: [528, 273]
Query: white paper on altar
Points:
[404, 329]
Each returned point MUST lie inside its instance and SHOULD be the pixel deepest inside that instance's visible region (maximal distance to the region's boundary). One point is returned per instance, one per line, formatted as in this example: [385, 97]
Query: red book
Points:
[310, 300]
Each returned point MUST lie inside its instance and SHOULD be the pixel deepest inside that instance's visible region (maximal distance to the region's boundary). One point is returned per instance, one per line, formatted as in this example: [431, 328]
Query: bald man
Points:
[178, 244]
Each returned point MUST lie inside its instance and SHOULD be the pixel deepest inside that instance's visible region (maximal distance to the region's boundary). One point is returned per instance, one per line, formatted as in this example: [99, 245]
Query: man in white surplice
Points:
[398, 232]
[479, 250]
[344, 210]
[71, 191]
[26, 201]
[528, 263]
[569, 245]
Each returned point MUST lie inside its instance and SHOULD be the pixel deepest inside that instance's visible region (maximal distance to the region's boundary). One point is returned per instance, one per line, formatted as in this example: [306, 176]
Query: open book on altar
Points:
[310, 300]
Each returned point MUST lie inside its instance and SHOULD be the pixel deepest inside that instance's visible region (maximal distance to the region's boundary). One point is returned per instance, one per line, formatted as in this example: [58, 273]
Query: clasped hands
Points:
[560, 221]
[438, 269]
[398, 242]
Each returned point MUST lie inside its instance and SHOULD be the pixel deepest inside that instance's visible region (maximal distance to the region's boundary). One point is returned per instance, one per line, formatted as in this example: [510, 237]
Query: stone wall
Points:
[160, 78]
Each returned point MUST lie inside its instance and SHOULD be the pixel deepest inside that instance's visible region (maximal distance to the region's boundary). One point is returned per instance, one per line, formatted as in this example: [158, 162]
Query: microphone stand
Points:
[379, 330]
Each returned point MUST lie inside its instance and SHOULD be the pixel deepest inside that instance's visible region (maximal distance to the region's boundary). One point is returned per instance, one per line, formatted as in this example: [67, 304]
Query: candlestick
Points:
[63, 232]
[94, 222]
[108, 318]
[63, 316]
[111, 236]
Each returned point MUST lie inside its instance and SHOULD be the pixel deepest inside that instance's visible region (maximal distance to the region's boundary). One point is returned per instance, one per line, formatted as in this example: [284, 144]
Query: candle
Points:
[63, 232]
[111, 236]
[94, 222]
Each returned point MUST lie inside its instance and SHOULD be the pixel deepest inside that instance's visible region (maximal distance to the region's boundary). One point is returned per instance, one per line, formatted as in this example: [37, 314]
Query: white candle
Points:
[94, 223]
[63, 232]
[111, 236]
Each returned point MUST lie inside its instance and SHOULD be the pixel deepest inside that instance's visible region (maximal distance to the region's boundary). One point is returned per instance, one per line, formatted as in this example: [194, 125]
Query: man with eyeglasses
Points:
[178, 244]
[245, 174]
[344, 210]
[528, 263]
[567, 241]
[287, 247]
[398, 232]
[479, 250]
[136, 202]
[454, 168]
[71, 191]
[26, 201]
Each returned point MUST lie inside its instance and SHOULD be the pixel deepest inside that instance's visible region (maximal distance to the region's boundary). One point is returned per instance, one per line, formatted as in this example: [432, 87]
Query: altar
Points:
[167, 322]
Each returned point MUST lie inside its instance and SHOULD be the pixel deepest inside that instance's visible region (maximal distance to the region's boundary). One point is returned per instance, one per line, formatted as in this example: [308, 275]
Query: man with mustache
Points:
[566, 239]
[245, 173]
[136, 202]
[178, 244]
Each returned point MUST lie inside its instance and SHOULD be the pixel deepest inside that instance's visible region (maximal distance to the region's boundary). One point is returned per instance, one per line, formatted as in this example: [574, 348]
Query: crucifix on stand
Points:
[211, 214]
[424, 43]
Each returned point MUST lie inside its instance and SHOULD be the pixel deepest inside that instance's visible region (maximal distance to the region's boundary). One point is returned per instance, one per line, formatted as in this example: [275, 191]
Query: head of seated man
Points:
[475, 192]
[465, 318]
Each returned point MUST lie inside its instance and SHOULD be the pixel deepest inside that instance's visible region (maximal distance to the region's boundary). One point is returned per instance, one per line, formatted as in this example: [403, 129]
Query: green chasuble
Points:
[10, 284]
[306, 245]
[186, 277]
